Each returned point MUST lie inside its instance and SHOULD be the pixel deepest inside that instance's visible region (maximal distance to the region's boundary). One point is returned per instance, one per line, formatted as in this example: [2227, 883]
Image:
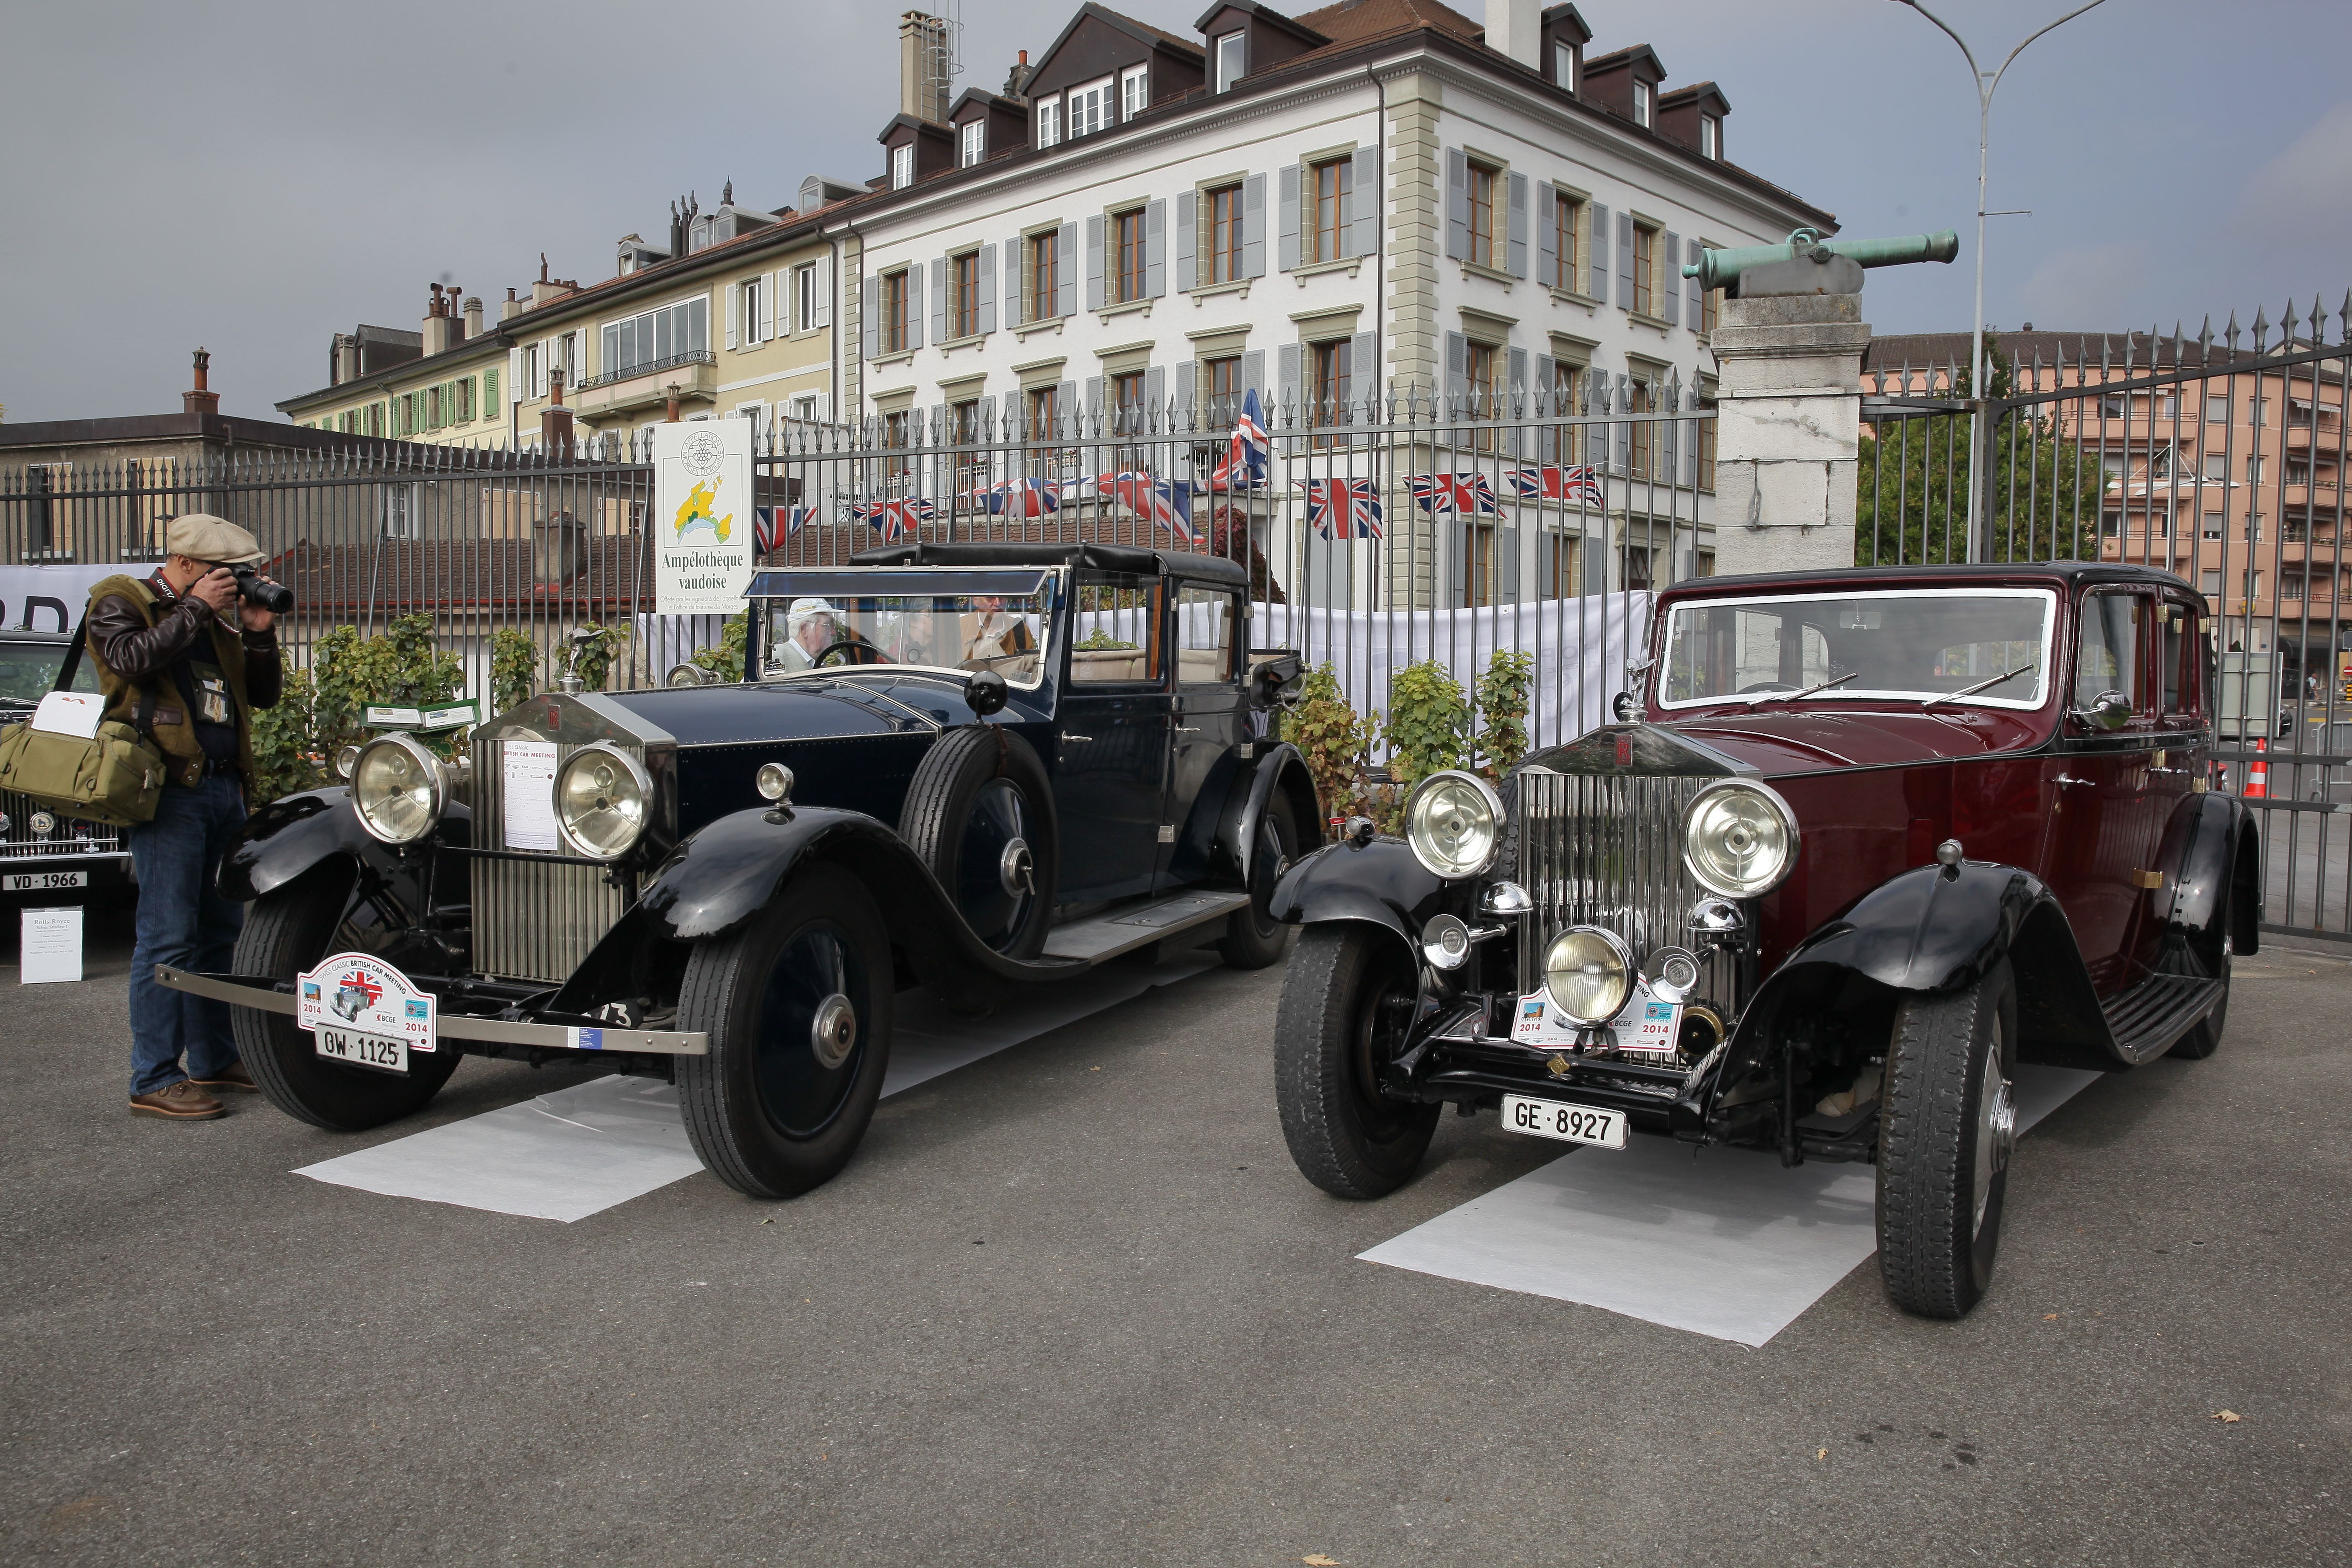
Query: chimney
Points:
[436, 323]
[1016, 80]
[510, 307]
[669, 396]
[200, 399]
[473, 315]
[345, 362]
[555, 420]
[923, 67]
[1515, 28]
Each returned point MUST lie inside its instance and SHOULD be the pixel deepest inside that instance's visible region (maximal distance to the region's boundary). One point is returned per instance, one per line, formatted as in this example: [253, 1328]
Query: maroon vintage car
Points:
[1861, 843]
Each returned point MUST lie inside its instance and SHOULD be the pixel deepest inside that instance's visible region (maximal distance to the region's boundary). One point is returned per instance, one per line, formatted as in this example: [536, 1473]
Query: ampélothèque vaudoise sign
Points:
[702, 517]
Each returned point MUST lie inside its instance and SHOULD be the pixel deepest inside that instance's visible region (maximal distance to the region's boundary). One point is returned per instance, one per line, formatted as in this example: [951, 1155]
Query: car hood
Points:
[800, 709]
[1816, 740]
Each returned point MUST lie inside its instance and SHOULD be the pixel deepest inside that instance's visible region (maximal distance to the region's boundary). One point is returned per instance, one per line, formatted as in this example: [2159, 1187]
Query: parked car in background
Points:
[1862, 844]
[46, 858]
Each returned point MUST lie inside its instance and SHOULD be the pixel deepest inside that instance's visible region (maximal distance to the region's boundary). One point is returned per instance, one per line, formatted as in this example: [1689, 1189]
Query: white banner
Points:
[703, 517]
[51, 598]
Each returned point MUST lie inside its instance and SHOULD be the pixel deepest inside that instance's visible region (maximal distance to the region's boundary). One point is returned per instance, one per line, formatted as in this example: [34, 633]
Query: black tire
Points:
[767, 1110]
[2206, 1038]
[287, 930]
[1947, 1122]
[975, 792]
[1254, 939]
[1337, 1026]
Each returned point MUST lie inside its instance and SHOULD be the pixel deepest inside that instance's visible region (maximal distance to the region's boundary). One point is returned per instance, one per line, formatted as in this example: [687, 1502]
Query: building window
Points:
[1044, 411]
[1331, 189]
[1049, 123]
[1637, 567]
[896, 430]
[1130, 227]
[973, 145]
[1710, 137]
[1642, 103]
[465, 400]
[1706, 441]
[1567, 383]
[399, 502]
[1480, 366]
[1482, 181]
[1044, 266]
[2216, 411]
[805, 291]
[1710, 307]
[749, 336]
[1567, 212]
[1560, 580]
[1563, 65]
[1645, 270]
[1645, 434]
[894, 312]
[1221, 260]
[964, 430]
[902, 165]
[1479, 574]
[1134, 92]
[963, 295]
[1232, 60]
[654, 338]
[1126, 401]
[1089, 108]
[1224, 386]
[1333, 370]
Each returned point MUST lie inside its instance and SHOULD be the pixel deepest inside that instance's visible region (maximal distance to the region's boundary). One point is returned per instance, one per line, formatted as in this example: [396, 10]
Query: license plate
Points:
[363, 1050]
[1568, 1123]
[42, 881]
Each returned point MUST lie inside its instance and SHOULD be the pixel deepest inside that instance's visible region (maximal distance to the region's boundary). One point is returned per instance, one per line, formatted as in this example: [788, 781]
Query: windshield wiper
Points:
[1926, 703]
[1800, 695]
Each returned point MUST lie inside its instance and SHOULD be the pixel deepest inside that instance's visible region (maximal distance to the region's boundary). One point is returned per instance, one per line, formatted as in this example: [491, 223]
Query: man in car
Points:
[991, 634]
[809, 630]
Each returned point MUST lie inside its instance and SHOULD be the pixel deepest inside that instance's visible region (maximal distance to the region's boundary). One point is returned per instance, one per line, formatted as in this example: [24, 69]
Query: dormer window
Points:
[1642, 104]
[1134, 92]
[1049, 123]
[697, 234]
[1563, 65]
[1710, 136]
[902, 165]
[972, 145]
[1233, 58]
[1089, 108]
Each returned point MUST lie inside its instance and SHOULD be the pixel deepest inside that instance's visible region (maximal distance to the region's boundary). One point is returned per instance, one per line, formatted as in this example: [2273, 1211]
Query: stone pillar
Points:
[1789, 432]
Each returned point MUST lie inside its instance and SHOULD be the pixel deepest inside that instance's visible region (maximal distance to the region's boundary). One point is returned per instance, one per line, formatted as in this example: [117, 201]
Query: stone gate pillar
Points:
[1789, 431]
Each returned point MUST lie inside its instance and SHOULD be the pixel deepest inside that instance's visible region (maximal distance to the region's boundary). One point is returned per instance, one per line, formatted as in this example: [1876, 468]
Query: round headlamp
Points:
[1739, 839]
[1455, 823]
[603, 797]
[399, 788]
[1588, 974]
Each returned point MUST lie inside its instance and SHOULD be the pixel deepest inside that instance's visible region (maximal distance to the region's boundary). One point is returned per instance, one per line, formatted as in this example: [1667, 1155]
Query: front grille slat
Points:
[20, 842]
[532, 920]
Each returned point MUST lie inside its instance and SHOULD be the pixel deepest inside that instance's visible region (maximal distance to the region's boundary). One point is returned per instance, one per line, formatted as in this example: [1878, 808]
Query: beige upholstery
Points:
[1202, 665]
[1103, 665]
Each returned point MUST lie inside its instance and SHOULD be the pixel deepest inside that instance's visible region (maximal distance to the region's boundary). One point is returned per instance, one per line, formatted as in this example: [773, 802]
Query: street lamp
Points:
[1987, 81]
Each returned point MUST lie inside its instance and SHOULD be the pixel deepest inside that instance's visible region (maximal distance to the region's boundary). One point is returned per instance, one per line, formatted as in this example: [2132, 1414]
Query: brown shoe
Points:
[233, 1078]
[183, 1102]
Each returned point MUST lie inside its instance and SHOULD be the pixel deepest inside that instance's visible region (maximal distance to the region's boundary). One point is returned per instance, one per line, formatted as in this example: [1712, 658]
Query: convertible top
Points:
[1101, 557]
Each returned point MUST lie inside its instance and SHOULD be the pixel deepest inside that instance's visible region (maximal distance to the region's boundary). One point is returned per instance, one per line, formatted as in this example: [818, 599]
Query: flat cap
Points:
[200, 536]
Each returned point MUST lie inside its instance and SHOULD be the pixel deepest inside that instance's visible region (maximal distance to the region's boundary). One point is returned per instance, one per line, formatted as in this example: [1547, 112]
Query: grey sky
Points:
[256, 176]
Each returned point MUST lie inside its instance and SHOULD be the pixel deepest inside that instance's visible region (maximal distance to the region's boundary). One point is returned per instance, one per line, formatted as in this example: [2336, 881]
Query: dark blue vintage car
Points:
[966, 767]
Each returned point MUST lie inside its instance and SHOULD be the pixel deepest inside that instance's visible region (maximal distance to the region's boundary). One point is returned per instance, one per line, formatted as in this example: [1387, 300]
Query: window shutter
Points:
[1364, 372]
[1092, 406]
[1458, 538]
[734, 292]
[1017, 283]
[1155, 400]
[987, 420]
[1065, 400]
[1155, 250]
[823, 293]
[1696, 314]
[1507, 544]
[1253, 374]
[914, 306]
[1595, 561]
[1188, 270]
[1625, 261]
[1624, 433]
[1366, 197]
[985, 308]
[939, 330]
[1547, 222]
[514, 369]
[1095, 262]
[1674, 311]
[775, 310]
[1595, 251]
[1517, 382]
[872, 316]
[1546, 400]
[1289, 232]
[1188, 394]
[1288, 393]
[1254, 227]
[1457, 366]
[1457, 204]
[941, 436]
[1065, 269]
[1519, 226]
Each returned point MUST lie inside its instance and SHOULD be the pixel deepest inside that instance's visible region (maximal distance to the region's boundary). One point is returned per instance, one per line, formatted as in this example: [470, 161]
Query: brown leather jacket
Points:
[141, 653]
[135, 658]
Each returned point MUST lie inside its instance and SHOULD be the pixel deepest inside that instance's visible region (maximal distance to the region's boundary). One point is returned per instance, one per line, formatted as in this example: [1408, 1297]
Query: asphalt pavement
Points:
[1071, 1304]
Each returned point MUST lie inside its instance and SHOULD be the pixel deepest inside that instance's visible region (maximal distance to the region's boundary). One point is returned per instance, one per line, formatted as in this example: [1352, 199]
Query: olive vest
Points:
[168, 721]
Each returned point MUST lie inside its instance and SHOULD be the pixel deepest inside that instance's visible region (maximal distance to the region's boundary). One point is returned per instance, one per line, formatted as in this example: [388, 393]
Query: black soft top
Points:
[2002, 573]
[1100, 557]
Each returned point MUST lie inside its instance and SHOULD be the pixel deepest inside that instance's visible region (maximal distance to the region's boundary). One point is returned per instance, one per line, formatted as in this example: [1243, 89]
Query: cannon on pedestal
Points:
[1807, 264]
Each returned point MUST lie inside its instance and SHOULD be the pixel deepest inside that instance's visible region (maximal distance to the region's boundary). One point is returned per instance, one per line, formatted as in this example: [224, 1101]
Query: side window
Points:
[2109, 649]
[1205, 624]
[1116, 629]
[2183, 658]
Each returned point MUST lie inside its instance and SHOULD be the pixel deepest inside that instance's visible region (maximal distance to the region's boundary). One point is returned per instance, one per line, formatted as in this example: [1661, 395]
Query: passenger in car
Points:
[991, 634]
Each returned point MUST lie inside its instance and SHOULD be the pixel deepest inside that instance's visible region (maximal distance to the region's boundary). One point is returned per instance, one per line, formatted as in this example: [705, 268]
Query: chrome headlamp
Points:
[603, 797]
[399, 788]
[1739, 839]
[1587, 974]
[1454, 821]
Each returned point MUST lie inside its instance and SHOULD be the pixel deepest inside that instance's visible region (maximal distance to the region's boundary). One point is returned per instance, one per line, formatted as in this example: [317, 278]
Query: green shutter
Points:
[490, 390]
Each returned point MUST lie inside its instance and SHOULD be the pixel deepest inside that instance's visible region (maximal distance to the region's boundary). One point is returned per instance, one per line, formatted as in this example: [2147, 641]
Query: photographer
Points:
[184, 655]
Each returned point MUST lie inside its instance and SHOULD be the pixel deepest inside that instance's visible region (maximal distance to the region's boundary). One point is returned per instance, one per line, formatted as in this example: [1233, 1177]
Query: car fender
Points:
[1279, 772]
[280, 841]
[2212, 863]
[1381, 883]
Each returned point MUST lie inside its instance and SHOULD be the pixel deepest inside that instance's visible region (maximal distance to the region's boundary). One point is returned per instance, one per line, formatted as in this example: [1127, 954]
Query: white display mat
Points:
[1722, 1242]
[576, 1152]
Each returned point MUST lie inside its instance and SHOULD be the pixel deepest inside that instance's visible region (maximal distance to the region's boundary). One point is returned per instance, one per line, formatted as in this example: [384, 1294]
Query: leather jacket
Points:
[142, 654]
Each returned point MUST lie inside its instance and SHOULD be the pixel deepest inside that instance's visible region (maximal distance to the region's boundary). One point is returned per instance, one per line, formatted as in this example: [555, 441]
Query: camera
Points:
[257, 590]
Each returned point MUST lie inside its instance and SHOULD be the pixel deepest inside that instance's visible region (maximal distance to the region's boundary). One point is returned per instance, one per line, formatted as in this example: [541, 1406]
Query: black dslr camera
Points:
[259, 591]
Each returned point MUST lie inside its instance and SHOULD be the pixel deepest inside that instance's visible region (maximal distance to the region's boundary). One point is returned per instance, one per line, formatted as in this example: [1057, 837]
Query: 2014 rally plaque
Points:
[362, 1010]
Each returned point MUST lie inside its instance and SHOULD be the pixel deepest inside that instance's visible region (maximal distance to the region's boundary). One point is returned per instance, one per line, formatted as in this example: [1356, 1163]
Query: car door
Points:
[2179, 766]
[2099, 831]
[1212, 715]
[1110, 745]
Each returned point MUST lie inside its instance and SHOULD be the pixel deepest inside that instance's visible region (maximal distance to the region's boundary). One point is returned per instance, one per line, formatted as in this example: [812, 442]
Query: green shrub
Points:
[1428, 724]
[725, 660]
[321, 711]
[587, 651]
[1333, 738]
[514, 668]
[1503, 693]
[1099, 640]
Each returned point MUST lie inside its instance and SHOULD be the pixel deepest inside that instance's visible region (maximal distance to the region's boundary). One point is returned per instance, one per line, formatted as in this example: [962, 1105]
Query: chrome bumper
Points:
[460, 1025]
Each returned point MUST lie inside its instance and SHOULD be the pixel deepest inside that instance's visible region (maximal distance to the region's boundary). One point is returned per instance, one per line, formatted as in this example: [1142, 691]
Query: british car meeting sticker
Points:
[366, 996]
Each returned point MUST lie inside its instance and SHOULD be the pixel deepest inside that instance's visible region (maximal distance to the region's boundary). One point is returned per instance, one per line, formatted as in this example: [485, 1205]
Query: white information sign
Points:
[74, 713]
[50, 947]
[362, 995]
[527, 785]
[702, 517]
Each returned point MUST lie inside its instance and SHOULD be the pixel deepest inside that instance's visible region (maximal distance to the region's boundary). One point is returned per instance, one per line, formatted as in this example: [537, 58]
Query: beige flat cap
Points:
[200, 536]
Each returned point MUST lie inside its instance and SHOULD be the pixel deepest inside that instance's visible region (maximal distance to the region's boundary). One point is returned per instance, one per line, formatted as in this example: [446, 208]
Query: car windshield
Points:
[1832, 647]
[29, 670]
[965, 621]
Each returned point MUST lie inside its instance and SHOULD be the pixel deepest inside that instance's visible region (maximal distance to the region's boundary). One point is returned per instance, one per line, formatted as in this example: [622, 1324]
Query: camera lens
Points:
[275, 597]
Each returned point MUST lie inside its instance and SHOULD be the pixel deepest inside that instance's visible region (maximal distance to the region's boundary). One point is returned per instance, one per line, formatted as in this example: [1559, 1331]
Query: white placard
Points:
[1647, 1023]
[527, 780]
[74, 713]
[364, 994]
[702, 517]
[50, 948]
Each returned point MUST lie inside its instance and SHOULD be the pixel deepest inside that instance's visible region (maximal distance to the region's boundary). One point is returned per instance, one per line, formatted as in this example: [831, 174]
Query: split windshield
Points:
[971, 620]
[1861, 646]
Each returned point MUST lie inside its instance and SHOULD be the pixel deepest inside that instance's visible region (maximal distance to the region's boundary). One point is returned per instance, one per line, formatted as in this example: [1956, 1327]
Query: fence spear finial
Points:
[2229, 332]
[2261, 329]
[2344, 319]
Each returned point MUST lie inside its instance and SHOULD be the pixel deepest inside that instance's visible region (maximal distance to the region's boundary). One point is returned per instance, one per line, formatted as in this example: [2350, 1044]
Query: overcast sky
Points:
[256, 176]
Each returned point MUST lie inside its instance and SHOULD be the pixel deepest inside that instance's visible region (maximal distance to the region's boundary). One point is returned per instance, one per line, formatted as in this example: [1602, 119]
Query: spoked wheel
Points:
[287, 932]
[979, 813]
[1346, 1004]
[797, 1005]
[1948, 1123]
[1254, 939]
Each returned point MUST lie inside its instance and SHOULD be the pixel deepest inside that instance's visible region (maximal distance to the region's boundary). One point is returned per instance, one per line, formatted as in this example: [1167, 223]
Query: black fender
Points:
[280, 841]
[731, 870]
[2212, 866]
[1278, 772]
[1381, 883]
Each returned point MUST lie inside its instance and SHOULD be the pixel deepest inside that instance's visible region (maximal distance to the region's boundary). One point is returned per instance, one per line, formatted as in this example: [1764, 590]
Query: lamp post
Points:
[1985, 82]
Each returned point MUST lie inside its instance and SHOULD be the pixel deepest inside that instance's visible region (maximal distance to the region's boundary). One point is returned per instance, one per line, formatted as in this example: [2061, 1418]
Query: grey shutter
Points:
[733, 291]
[985, 311]
[1289, 216]
[1457, 204]
[1155, 250]
[1092, 406]
[1289, 395]
[1188, 270]
[1516, 373]
[1674, 311]
[1547, 222]
[1458, 538]
[1366, 180]
[1016, 299]
[1507, 544]
[1546, 381]
[1095, 262]
[873, 317]
[941, 436]
[823, 292]
[1364, 372]
[1624, 441]
[988, 432]
[1625, 261]
[940, 331]
[1066, 399]
[1155, 400]
[1457, 366]
[1066, 271]
[1254, 375]
[1595, 563]
[1254, 227]
[1519, 226]
[914, 306]
[1596, 256]
[1188, 395]
[1698, 309]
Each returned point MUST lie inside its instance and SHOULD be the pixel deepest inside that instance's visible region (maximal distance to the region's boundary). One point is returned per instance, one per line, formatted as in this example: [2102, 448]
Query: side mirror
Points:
[986, 692]
[1276, 680]
[2108, 710]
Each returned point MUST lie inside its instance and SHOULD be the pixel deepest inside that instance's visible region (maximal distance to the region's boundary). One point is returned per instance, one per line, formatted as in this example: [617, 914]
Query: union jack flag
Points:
[1019, 497]
[1165, 503]
[894, 520]
[1244, 468]
[763, 524]
[1345, 509]
[1458, 493]
[1578, 482]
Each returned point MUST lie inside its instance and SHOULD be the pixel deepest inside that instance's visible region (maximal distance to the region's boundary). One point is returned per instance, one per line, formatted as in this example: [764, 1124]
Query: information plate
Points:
[358, 993]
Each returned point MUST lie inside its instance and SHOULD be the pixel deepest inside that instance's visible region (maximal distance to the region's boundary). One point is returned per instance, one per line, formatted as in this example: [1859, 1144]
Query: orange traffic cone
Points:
[2258, 776]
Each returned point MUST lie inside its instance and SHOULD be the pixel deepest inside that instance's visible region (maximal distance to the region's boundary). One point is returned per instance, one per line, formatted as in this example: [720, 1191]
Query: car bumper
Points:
[465, 1013]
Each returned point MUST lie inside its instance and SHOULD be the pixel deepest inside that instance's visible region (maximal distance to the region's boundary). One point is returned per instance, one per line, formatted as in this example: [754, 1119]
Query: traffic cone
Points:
[2258, 776]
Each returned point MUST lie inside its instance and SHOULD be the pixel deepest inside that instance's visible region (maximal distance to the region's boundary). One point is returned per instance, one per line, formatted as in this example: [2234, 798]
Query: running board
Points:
[2150, 1019]
[1124, 930]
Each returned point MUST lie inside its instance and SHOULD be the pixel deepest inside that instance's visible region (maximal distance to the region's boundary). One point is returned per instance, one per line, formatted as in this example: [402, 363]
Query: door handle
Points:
[2064, 780]
[1067, 736]
[1186, 730]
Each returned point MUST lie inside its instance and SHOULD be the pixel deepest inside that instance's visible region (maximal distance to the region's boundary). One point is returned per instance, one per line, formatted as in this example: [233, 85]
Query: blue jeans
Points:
[183, 922]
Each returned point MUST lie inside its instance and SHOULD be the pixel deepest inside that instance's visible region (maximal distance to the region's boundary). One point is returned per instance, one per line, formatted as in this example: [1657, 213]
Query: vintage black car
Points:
[44, 858]
[963, 766]
[1861, 844]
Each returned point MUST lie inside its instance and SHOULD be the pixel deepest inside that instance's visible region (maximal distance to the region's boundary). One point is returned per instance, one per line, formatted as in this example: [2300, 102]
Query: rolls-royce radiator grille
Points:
[1606, 851]
[532, 920]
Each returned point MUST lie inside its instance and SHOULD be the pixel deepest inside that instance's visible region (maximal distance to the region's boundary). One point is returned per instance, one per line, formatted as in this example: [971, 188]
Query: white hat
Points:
[803, 611]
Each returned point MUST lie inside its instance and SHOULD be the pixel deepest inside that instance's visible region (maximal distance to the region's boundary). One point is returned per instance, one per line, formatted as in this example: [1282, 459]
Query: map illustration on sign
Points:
[697, 514]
